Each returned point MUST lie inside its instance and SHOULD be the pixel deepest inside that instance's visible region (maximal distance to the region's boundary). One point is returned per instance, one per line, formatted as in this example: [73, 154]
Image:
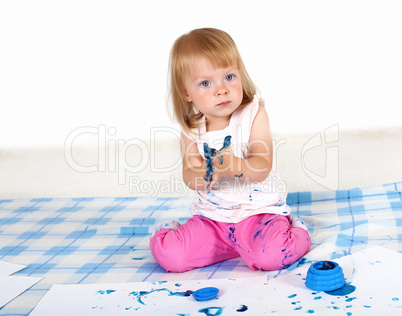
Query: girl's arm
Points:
[193, 165]
[258, 164]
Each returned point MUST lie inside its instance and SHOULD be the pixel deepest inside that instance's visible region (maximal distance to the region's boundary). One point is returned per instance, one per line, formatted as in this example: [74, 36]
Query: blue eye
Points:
[229, 77]
[205, 84]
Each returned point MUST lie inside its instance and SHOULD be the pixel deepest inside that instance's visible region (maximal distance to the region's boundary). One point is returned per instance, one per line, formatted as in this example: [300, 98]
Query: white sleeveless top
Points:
[232, 200]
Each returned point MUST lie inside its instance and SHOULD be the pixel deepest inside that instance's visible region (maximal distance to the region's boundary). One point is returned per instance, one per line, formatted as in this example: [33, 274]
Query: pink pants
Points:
[264, 242]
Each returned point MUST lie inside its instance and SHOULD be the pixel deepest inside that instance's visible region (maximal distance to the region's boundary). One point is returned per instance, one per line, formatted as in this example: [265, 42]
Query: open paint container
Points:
[325, 276]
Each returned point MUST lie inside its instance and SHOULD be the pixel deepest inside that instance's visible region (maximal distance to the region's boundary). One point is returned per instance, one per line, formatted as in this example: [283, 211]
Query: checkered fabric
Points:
[103, 240]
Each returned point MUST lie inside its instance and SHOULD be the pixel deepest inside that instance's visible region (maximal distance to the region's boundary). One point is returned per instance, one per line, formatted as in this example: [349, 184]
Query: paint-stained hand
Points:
[217, 162]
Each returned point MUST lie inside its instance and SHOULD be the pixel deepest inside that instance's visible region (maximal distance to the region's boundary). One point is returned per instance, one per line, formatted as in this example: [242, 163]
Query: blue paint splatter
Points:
[395, 299]
[243, 308]
[298, 308]
[238, 175]
[140, 294]
[102, 292]
[292, 296]
[310, 311]
[231, 234]
[208, 311]
[349, 299]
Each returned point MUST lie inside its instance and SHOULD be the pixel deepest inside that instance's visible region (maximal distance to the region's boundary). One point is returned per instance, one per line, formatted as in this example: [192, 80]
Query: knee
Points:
[278, 256]
[168, 256]
[273, 259]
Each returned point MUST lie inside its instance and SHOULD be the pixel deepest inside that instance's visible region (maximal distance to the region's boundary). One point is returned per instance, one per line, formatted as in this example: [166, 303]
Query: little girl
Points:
[240, 208]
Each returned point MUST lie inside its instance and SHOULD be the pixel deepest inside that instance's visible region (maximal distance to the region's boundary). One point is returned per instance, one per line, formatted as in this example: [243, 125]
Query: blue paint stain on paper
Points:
[243, 308]
[141, 294]
[102, 292]
[349, 299]
[211, 311]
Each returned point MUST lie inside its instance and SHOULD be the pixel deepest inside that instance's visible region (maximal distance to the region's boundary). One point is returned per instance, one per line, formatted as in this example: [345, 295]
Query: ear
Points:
[186, 96]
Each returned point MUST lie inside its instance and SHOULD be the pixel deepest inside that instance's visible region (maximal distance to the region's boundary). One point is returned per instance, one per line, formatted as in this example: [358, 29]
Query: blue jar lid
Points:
[325, 276]
[206, 293]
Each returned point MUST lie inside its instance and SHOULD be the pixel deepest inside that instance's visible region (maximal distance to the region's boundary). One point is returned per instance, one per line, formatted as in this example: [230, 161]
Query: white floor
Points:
[325, 161]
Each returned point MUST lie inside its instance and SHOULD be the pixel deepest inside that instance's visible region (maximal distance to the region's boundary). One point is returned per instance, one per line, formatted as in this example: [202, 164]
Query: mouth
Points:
[225, 103]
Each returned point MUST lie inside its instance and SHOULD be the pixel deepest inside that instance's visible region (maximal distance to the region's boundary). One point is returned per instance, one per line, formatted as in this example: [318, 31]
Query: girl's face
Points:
[215, 92]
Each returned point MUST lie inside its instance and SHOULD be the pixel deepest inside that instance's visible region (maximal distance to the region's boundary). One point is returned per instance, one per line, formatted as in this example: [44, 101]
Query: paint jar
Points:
[325, 276]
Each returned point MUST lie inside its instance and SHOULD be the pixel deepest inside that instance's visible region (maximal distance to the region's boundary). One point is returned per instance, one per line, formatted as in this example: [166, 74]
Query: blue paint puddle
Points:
[211, 311]
[243, 308]
[343, 291]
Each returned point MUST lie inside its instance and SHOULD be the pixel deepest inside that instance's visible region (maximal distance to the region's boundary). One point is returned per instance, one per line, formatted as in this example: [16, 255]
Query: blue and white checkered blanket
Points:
[104, 240]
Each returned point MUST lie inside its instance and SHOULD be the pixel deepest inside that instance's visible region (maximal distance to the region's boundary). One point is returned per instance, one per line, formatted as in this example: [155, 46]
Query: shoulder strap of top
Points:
[243, 119]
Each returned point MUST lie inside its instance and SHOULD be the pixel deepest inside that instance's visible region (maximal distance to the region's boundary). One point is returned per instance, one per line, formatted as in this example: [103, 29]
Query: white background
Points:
[70, 64]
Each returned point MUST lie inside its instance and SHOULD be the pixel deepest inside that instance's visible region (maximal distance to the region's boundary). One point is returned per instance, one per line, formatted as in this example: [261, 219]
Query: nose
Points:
[222, 89]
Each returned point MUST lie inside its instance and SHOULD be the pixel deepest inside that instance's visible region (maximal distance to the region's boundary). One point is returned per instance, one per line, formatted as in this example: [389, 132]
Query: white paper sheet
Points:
[12, 286]
[7, 268]
[236, 296]
[374, 272]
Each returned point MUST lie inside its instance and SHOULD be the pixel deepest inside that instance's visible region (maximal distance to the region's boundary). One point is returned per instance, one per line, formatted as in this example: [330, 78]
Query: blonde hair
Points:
[219, 49]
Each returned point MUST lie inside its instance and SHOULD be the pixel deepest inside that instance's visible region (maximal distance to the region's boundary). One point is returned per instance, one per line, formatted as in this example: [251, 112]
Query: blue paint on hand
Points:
[226, 142]
[210, 154]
